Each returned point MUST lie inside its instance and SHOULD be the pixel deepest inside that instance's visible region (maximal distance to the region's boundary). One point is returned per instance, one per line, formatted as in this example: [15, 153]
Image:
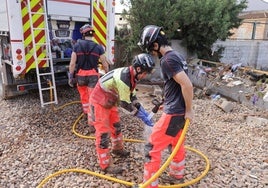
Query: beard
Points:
[159, 55]
[156, 53]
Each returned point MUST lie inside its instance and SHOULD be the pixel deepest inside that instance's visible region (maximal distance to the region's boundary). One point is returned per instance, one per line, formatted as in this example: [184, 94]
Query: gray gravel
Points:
[36, 143]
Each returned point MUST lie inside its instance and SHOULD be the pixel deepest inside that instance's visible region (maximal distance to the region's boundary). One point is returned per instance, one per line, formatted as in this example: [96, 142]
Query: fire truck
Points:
[36, 39]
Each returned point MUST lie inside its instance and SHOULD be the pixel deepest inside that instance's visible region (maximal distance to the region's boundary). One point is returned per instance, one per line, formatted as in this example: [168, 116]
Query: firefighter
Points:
[178, 96]
[84, 60]
[117, 87]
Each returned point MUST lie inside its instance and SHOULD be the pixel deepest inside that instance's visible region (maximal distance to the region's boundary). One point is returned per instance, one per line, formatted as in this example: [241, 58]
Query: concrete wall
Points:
[250, 53]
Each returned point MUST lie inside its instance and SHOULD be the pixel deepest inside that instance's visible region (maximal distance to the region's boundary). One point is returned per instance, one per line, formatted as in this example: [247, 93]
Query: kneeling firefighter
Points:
[117, 87]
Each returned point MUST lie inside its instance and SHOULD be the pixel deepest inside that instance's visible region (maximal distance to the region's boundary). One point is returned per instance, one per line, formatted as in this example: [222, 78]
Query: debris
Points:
[233, 82]
[226, 106]
[256, 120]
[215, 96]
[265, 97]
[253, 176]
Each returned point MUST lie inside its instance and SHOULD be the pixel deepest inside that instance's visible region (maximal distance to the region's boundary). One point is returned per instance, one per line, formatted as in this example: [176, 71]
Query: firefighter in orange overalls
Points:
[114, 88]
[178, 96]
[84, 59]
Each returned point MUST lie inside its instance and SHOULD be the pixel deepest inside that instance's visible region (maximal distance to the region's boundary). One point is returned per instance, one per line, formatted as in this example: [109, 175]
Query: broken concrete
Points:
[256, 120]
[235, 83]
[226, 106]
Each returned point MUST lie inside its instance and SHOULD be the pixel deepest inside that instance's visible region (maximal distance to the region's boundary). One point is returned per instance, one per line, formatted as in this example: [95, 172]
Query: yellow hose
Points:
[85, 172]
[148, 182]
[51, 99]
[92, 137]
[144, 185]
[164, 166]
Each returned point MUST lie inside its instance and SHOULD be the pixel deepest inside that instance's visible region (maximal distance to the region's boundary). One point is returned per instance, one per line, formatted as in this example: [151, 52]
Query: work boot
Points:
[121, 153]
[113, 170]
[167, 178]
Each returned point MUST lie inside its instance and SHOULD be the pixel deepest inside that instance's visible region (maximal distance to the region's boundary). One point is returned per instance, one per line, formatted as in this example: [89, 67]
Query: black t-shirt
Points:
[88, 53]
[171, 64]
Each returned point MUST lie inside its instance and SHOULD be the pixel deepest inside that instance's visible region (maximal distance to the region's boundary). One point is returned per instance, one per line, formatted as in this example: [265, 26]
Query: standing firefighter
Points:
[117, 87]
[178, 96]
[85, 56]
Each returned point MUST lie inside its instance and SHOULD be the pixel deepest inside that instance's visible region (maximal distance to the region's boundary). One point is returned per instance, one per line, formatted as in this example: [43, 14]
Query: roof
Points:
[254, 14]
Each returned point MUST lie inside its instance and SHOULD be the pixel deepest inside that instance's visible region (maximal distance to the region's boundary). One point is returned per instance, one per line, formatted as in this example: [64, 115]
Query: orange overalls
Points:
[86, 81]
[107, 124]
[88, 54]
[109, 90]
[169, 129]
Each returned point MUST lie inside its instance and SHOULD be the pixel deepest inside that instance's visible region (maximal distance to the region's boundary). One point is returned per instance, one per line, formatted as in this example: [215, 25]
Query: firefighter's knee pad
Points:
[104, 141]
[117, 127]
[148, 147]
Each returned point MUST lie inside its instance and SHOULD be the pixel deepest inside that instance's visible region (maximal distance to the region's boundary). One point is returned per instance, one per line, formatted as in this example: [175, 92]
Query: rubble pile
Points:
[241, 84]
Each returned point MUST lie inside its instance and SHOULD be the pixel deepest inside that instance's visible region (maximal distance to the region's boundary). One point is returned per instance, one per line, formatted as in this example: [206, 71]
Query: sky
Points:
[257, 5]
[118, 6]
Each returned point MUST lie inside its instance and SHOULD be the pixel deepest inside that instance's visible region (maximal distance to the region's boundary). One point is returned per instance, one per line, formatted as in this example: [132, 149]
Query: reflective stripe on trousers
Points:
[176, 169]
[147, 176]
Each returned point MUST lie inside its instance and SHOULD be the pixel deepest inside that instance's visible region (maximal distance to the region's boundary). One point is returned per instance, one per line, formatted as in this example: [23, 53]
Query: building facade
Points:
[253, 27]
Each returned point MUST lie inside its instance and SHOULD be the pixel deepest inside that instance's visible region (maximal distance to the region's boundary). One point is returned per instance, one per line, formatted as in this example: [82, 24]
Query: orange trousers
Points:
[86, 81]
[107, 125]
[166, 132]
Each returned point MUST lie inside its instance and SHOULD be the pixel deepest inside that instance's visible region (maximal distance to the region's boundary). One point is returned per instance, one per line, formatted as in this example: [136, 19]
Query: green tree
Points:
[198, 23]
[203, 22]
[140, 14]
[156, 12]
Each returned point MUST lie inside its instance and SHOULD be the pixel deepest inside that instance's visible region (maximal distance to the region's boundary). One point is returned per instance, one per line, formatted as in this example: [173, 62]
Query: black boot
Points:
[113, 170]
[121, 153]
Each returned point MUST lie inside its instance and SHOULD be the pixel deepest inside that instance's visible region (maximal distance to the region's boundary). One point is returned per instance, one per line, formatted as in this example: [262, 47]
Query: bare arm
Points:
[105, 62]
[187, 92]
[72, 63]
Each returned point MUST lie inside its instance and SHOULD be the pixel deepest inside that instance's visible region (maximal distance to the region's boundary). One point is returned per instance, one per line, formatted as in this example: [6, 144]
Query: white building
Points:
[120, 21]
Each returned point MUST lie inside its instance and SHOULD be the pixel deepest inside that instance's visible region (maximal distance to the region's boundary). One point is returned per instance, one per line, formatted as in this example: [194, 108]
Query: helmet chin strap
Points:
[137, 73]
[158, 51]
[136, 76]
[132, 79]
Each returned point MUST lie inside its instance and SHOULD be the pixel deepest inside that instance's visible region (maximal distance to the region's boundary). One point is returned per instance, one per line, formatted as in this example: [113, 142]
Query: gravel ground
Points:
[36, 143]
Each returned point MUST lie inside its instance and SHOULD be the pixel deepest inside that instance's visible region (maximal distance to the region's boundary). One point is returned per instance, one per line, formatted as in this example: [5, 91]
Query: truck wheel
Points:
[2, 89]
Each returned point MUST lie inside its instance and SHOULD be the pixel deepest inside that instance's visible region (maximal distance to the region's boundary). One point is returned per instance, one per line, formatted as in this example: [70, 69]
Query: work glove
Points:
[71, 80]
[144, 116]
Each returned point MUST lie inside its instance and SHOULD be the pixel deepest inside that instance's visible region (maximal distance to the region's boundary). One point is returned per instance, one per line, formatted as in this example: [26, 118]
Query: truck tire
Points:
[1, 88]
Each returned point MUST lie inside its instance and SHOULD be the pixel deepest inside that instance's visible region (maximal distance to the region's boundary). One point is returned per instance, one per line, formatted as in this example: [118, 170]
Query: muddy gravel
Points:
[37, 142]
